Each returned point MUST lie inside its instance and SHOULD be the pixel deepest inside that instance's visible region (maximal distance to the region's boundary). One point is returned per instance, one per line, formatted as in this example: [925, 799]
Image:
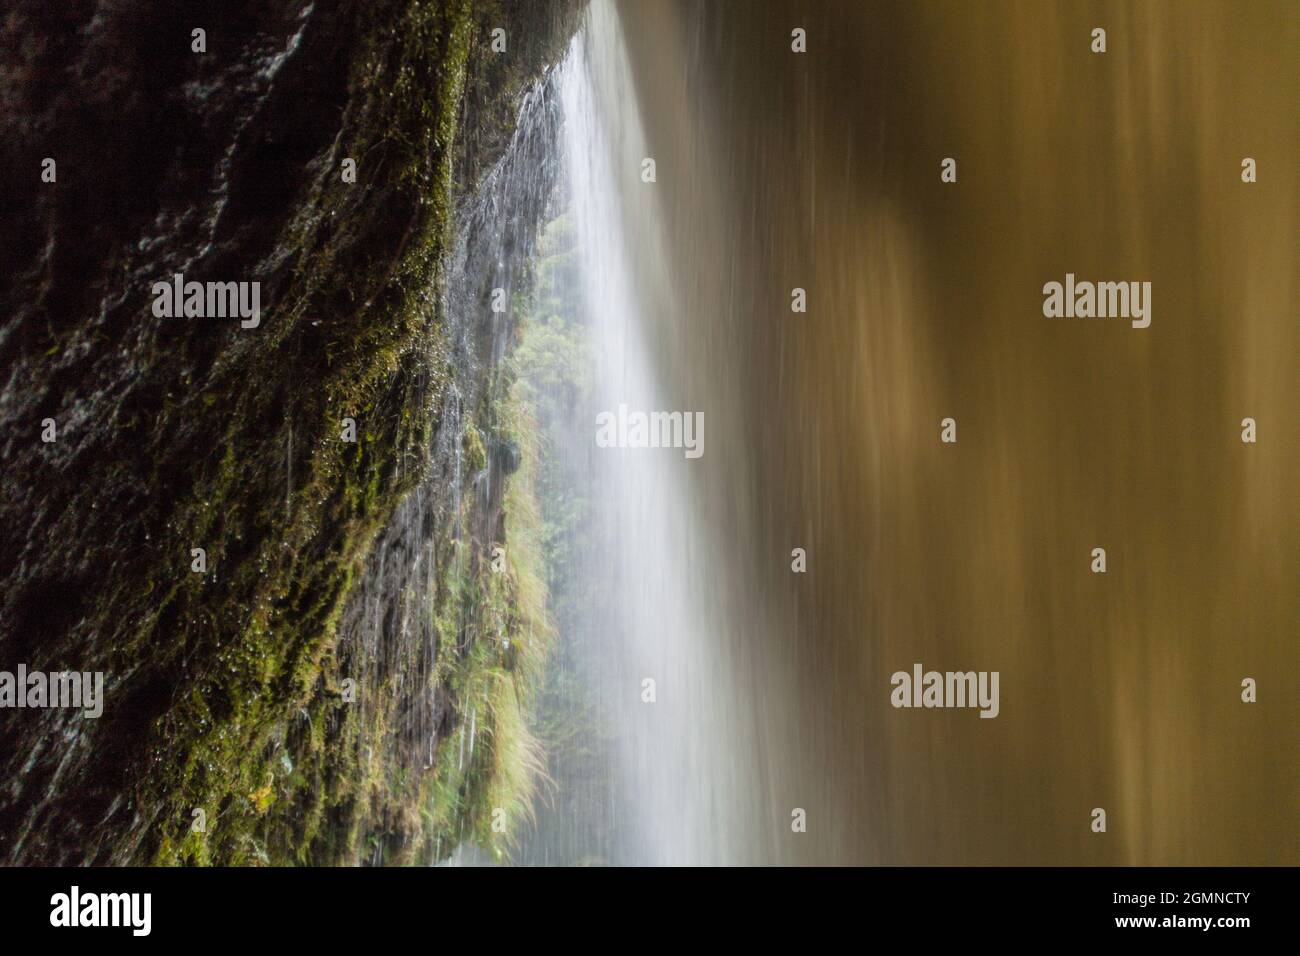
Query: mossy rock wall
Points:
[175, 434]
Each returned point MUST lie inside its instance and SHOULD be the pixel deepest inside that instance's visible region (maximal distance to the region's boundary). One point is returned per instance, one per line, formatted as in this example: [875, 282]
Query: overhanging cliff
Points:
[227, 164]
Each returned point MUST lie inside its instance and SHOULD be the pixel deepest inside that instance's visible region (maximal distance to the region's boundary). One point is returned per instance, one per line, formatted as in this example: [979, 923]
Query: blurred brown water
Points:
[821, 171]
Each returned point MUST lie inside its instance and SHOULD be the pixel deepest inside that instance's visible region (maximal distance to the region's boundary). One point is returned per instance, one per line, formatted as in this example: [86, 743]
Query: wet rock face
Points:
[221, 161]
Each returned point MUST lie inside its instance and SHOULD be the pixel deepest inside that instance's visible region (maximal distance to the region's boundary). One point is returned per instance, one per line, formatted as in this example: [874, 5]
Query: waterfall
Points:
[655, 587]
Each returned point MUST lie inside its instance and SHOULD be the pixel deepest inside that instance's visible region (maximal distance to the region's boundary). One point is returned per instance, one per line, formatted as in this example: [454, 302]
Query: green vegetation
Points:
[494, 764]
[552, 364]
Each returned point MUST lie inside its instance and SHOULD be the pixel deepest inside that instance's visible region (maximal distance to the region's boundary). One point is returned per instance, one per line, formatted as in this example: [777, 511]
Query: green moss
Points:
[216, 746]
[475, 453]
